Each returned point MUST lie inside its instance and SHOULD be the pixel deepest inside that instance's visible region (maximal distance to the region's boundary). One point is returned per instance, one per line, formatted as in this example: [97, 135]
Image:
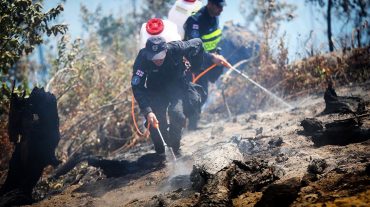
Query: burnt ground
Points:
[337, 175]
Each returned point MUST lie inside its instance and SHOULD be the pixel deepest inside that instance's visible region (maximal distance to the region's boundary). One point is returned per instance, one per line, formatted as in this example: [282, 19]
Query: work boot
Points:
[159, 149]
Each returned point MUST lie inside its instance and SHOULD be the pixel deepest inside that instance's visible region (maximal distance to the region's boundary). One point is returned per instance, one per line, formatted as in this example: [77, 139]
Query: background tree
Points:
[266, 17]
[349, 11]
[121, 31]
[22, 25]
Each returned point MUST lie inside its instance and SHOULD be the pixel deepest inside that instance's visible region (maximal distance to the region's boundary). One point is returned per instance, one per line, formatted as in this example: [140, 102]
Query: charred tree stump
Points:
[341, 104]
[34, 130]
[339, 132]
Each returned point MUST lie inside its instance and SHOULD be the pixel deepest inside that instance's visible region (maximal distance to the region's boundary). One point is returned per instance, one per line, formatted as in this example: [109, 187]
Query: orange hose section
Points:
[204, 72]
[134, 119]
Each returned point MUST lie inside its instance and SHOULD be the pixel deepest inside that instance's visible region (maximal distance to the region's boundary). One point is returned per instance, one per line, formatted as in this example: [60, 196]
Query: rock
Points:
[275, 142]
[236, 139]
[282, 194]
[281, 158]
[259, 131]
[214, 158]
[209, 161]
[251, 117]
[308, 178]
[317, 166]
[157, 201]
[249, 146]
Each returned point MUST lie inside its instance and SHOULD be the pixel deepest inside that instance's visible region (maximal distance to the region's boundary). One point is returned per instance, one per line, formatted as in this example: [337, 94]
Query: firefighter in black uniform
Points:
[159, 86]
[205, 25]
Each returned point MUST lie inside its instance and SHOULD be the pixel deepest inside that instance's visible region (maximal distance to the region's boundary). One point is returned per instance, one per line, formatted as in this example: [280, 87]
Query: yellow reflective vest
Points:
[202, 25]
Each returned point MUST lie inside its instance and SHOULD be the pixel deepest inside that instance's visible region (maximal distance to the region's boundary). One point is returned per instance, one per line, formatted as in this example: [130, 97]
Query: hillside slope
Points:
[339, 175]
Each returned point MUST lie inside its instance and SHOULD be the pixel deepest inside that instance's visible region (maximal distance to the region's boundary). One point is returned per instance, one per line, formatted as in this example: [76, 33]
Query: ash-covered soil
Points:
[279, 165]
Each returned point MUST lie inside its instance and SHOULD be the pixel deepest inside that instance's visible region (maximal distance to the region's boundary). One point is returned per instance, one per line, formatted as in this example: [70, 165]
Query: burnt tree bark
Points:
[34, 130]
[237, 178]
[338, 132]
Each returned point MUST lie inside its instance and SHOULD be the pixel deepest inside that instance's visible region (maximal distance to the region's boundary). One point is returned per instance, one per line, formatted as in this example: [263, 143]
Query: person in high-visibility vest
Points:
[204, 24]
[159, 86]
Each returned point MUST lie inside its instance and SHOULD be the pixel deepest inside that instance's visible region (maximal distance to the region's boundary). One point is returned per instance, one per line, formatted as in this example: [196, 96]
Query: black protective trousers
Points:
[210, 76]
[168, 103]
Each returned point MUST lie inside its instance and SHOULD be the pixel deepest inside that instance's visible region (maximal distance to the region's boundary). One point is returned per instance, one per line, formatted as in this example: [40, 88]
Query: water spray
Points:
[258, 85]
[233, 68]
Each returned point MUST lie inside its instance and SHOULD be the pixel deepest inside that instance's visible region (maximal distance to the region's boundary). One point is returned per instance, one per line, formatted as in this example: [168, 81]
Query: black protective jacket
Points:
[147, 78]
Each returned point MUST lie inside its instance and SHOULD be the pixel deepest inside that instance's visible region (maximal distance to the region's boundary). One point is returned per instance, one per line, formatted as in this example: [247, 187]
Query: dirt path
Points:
[344, 180]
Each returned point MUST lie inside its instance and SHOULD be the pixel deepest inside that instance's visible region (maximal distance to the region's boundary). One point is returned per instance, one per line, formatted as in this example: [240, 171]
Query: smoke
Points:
[178, 175]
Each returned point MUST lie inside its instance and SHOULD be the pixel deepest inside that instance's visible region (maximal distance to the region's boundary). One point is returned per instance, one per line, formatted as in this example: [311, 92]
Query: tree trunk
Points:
[328, 19]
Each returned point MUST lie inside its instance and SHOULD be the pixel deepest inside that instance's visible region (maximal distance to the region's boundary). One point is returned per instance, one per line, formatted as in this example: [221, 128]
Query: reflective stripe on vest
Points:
[211, 40]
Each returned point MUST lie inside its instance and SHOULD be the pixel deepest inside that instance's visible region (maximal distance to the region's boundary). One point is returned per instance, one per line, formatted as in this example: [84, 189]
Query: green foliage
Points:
[111, 30]
[92, 88]
[22, 24]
